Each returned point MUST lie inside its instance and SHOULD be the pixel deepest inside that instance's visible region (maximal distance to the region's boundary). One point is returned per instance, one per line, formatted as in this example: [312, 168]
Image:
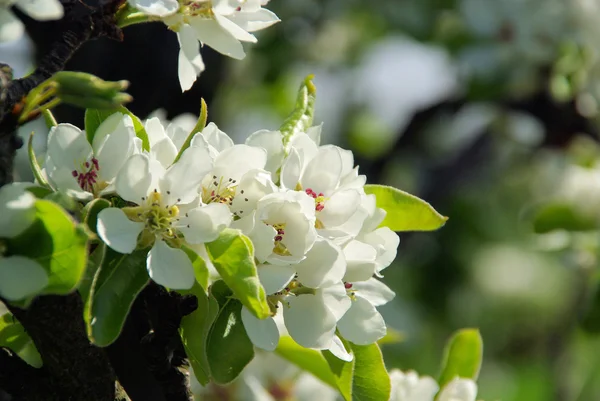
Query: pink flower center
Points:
[89, 176]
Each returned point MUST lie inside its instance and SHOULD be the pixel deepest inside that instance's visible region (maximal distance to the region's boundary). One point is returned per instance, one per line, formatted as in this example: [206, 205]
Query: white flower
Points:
[220, 24]
[20, 277]
[85, 170]
[410, 387]
[459, 389]
[12, 28]
[168, 212]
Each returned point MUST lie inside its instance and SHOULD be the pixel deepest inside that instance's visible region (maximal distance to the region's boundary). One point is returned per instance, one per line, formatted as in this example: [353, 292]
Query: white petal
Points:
[134, 179]
[459, 390]
[362, 324]
[252, 22]
[68, 146]
[360, 258]
[106, 128]
[216, 138]
[263, 238]
[190, 63]
[270, 141]
[314, 133]
[291, 170]
[61, 178]
[253, 185]
[181, 181]
[386, 242]
[305, 145]
[336, 299]
[374, 291]
[337, 348]
[116, 149]
[274, 278]
[234, 162]
[21, 277]
[262, 332]
[42, 10]
[324, 264]
[17, 210]
[159, 8]
[235, 30]
[214, 35]
[117, 231]
[205, 223]
[310, 323]
[170, 267]
[11, 28]
[323, 173]
[340, 207]
[164, 151]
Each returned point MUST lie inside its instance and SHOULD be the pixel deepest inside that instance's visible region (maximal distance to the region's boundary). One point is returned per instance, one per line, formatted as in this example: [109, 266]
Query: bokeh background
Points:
[487, 109]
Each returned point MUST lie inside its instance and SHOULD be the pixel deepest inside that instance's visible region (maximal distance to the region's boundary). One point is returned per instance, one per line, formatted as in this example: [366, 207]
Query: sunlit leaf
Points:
[14, 337]
[463, 356]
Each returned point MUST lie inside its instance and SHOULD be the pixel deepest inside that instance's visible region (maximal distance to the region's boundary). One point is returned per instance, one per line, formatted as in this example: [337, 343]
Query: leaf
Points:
[463, 356]
[306, 359]
[90, 213]
[365, 377]
[34, 165]
[116, 285]
[49, 119]
[95, 117]
[200, 124]
[234, 261]
[200, 270]
[14, 337]
[85, 285]
[60, 247]
[558, 216]
[63, 200]
[392, 336]
[405, 212]
[302, 117]
[194, 330]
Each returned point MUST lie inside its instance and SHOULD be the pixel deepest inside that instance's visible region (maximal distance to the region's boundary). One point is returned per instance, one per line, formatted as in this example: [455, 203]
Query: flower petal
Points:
[117, 231]
[118, 146]
[255, 21]
[252, 187]
[362, 324]
[170, 267]
[17, 210]
[263, 238]
[386, 242]
[271, 142]
[159, 8]
[181, 181]
[291, 170]
[42, 10]
[21, 277]
[216, 138]
[134, 179]
[205, 223]
[324, 264]
[374, 291]
[274, 278]
[211, 33]
[310, 323]
[68, 146]
[336, 299]
[323, 172]
[360, 258]
[459, 389]
[11, 28]
[232, 163]
[262, 332]
[337, 348]
[340, 207]
[190, 63]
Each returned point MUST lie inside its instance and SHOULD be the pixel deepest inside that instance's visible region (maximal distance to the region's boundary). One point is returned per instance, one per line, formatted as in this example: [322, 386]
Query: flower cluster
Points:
[220, 24]
[408, 386]
[314, 230]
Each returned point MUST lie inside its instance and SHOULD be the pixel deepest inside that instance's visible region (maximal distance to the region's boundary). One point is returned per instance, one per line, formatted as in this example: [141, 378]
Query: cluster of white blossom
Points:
[220, 24]
[408, 386]
[313, 228]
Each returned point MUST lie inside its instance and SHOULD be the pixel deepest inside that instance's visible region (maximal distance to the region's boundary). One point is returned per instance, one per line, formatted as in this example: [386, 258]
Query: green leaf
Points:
[39, 191]
[234, 261]
[95, 117]
[302, 117]
[558, 216]
[90, 213]
[34, 165]
[63, 200]
[14, 337]
[60, 247]
[194, 330]
[405, 212]
[306, 359]
[116, 285]
[200, 124]
[229, 349]
[49, 119]
[200, 270]
[463, 356]
[94, 263]
[365, 378]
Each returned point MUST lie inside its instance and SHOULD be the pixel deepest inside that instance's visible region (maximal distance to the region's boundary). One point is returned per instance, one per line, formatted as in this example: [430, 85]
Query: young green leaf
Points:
[200, 270]
[14, 337]
[365, 377]
[60, 247]
[463, 356]
[200, 124]
[306, 359]
[302, 117]
[229, 349]
[34, 165]
[194, 331]
[91, 210]
[234, 261]
[95, 117]
[116, 285]
[556, 216]
[405, 212]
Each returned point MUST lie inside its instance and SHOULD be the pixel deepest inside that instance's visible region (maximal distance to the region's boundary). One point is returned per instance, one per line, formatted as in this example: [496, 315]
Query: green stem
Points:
[126, 19]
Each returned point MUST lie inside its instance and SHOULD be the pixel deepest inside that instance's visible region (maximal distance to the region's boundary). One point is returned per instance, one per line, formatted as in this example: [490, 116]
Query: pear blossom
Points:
[408, 386]
[20, 277]
[11, 28]
[220, 24]
[85, 170]
[167, 214]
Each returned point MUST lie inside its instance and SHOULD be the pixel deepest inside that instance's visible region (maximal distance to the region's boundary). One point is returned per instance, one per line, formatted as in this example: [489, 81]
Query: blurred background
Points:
[487, 109]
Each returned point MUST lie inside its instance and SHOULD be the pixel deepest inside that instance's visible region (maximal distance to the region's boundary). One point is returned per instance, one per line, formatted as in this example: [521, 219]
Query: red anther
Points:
[74, 173]
[321, 194]
[319, 207]
[96, 164]
[278, 238]
[348, 285]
